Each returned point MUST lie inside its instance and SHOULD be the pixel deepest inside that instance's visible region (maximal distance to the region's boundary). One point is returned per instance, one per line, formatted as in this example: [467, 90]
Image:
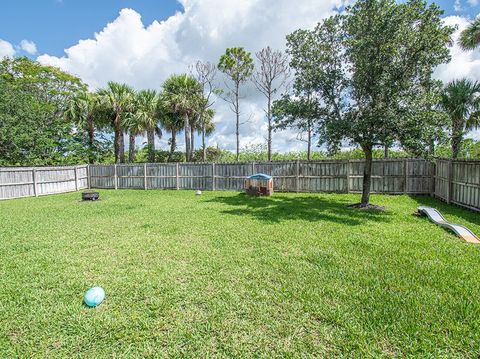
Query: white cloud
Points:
[463, 63]
[6, 49]
[28, 46]
[144, 56]
[472, 2]
[457, 6]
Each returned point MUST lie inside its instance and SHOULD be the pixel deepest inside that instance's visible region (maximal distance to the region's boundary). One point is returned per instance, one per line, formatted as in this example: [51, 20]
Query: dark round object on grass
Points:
[90, 196]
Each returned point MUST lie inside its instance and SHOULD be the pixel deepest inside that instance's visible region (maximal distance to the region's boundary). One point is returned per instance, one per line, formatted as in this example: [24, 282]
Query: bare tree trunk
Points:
[131, 148]
[187, 138]
[122, 146]
[118, 139]
[269, 118]
[309, 142]
[431, 148]
[237, 131]
[367, 176]
[204, 152]
[173, 145]
[456, 141]
[192, 138]
[270, 76]
[91, 140]
[385, 151]
[151, 144]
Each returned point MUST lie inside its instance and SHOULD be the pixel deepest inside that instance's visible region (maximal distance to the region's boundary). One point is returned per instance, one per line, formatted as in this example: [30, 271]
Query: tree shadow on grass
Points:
[278, 208]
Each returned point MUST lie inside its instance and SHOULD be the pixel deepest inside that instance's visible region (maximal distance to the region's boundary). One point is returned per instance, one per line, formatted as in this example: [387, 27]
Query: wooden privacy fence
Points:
[454, 181]
[17, 182]
[458, 182]
[393, 176]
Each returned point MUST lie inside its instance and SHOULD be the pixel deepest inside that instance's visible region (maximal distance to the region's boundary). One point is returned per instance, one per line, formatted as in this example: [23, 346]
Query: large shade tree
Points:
[461, 102]
[182, 97]
[34, 100]
[119, 100]
[370, 68]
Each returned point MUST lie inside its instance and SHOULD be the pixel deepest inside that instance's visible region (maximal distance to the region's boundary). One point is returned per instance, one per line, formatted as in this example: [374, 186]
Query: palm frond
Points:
[470, 37]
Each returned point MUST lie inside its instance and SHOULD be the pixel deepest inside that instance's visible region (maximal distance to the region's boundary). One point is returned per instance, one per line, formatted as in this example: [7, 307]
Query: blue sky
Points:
[58, 24]
[128, 50]
[460, 7]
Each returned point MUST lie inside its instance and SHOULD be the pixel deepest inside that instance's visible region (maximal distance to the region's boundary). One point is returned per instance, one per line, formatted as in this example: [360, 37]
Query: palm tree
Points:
[146, 113]
[182, 96]
[171, 123]
[81, 110]
[461, 102]
[202, 124]
[470, 37]
[119, 98]
[207, 126]
[134, 125]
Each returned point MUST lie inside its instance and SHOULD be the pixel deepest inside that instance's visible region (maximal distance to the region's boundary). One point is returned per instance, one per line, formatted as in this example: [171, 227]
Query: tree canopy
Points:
[370, 70]
[33, 101]
[182, 96]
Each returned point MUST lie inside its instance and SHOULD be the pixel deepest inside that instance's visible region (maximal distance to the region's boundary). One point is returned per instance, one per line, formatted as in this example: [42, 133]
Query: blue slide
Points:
[437, 218]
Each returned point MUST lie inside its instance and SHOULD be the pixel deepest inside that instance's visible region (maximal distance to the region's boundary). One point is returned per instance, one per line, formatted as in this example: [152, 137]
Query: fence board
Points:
[458, 181]
[18, 182]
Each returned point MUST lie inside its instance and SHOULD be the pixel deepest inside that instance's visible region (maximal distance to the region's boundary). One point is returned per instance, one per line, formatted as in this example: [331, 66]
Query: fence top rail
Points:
[40, 168]
[260, 162]
[264, 162]
[460, 160]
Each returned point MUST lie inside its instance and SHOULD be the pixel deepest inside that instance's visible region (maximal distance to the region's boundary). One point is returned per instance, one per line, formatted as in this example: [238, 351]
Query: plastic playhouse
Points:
[259, 185]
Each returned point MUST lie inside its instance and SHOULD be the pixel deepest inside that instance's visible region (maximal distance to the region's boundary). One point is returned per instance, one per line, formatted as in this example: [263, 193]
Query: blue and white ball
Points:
[94, 296]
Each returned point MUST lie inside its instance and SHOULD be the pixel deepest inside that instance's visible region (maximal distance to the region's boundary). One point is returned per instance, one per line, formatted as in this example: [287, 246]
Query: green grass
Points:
[224, 275]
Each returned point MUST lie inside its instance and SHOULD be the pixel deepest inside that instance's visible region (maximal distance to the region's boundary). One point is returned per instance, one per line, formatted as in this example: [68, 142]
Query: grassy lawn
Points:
[224, 275]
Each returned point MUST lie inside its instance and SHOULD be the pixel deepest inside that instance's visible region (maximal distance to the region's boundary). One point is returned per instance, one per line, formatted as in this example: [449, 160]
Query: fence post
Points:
[76, 178]
[383, 176]
[144, 176]
[177, 176]
[433, 175]
[88, 177]
[348, 176]
[405, 175]
[449, 182]
[253, 167]
[297, 177]
[34, 177]
[115, 176]
[213, 176]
